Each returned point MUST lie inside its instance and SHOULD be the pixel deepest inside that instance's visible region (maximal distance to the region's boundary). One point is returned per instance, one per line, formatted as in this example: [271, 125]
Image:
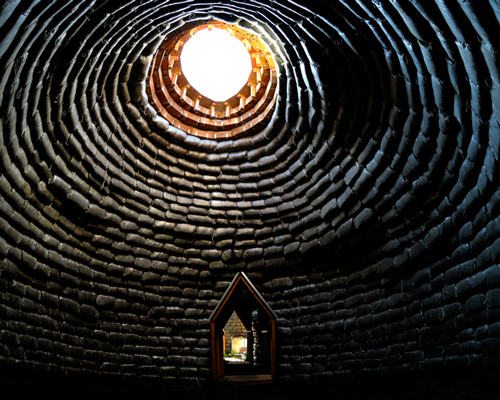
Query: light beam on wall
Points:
[216, 64]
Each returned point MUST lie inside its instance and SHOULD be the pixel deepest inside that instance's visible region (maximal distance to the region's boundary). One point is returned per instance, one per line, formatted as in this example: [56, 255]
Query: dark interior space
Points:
[461, 384]
[345, 202]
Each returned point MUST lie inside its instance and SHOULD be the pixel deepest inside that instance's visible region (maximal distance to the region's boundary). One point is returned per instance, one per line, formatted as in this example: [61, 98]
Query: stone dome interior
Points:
[362, 203]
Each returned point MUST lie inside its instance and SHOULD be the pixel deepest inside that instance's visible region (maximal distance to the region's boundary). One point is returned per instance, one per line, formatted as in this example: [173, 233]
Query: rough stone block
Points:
[493, 298]
[490, 347]
[105, 301]
[473, 304]
[434, 316]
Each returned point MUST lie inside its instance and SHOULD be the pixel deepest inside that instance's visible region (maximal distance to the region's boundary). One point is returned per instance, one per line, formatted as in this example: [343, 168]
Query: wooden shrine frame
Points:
[220, 315]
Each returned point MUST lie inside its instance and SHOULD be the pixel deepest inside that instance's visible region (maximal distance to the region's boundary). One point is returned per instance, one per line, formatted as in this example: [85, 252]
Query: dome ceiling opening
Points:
[215, 63]
[182, 105]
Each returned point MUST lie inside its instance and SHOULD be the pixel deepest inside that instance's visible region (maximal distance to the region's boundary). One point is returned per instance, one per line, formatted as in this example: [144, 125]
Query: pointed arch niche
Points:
[260, 322]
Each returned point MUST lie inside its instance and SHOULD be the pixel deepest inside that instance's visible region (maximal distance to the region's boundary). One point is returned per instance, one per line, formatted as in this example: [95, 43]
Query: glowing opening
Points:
[216, 64]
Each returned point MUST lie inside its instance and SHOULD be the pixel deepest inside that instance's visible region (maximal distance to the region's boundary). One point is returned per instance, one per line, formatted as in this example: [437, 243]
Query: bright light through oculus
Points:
[216, 64]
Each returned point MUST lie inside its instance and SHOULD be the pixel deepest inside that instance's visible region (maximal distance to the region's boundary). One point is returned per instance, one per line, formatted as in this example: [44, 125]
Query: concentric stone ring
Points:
[350, 193]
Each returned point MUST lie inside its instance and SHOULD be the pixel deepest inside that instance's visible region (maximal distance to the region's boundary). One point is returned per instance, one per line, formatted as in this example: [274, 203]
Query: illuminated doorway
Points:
[259, 321]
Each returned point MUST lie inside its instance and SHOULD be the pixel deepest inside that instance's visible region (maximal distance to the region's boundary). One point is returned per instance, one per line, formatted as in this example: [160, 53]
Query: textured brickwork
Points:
[366, 210]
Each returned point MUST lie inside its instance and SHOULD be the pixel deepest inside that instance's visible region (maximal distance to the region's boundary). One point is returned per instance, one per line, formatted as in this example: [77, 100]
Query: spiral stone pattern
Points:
[366, 210]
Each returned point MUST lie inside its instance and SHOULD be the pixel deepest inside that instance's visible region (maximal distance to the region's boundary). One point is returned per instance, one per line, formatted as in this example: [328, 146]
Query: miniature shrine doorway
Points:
[259, 319]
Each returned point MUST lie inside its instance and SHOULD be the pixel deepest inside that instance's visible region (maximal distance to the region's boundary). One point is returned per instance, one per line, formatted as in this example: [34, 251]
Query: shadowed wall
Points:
[366, 211]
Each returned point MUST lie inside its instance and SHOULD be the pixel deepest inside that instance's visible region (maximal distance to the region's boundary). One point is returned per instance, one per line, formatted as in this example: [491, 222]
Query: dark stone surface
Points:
[366, 209]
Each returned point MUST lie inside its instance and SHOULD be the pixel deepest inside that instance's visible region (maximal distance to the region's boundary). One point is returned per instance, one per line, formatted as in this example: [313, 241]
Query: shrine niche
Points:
[259, 320]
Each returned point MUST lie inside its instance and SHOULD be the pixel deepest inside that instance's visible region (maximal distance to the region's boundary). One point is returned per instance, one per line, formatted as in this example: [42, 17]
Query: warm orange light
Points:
[216, 64]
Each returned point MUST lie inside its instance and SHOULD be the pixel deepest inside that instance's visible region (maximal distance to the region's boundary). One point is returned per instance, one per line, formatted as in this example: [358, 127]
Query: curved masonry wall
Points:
[366, 211]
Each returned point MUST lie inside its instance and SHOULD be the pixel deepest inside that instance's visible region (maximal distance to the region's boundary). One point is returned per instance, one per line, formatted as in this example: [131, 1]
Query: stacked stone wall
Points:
[366, 212]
